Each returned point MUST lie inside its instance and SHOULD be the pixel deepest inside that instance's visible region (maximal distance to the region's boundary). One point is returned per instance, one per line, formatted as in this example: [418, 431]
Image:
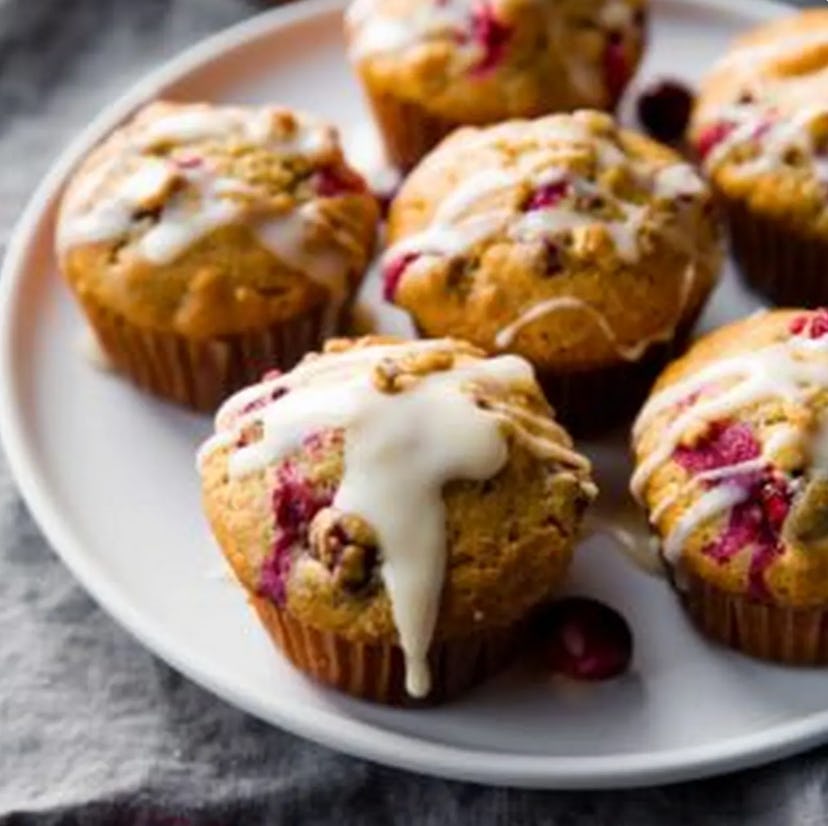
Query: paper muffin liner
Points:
[589, 402]
[796, 636]
[408, 130]
[788, 268]
[201, 373]
[376, 672]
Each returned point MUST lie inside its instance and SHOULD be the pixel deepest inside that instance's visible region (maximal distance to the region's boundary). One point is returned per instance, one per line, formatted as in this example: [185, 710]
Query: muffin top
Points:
[477, 61]
[732, 458]
[396, 491]
[761, 120]
[210, 220]
[571, 241]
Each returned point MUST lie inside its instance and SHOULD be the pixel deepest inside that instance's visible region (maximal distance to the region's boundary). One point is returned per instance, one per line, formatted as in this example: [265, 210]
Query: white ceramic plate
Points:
[109, 475]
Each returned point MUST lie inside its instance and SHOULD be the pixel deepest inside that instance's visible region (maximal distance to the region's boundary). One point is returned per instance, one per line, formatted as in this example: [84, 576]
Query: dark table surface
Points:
[93, 728]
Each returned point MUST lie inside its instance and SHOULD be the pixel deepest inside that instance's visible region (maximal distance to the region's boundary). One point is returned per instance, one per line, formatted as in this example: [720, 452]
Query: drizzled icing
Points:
[789, 370]
[400, 450]
[155, 168]
[772, 135]
[774, 108]
[376, 30]
[462, 219]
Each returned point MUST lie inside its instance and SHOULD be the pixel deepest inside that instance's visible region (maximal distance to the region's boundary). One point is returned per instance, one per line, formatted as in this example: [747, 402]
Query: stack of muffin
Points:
[399, 511]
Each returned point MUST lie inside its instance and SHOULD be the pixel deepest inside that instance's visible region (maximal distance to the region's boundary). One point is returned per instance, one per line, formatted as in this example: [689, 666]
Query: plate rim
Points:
[330, 728]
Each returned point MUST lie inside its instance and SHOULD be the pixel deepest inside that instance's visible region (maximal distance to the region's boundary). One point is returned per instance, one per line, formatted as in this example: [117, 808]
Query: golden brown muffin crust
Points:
[605, 222]
[208, 221]
[769, 544]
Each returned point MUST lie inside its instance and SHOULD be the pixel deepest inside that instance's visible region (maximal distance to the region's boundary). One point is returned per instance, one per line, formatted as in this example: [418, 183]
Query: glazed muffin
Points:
[208, 243]
[429, 66]
[396, 511]
[587, 249]
[760, 128]
[732, 467]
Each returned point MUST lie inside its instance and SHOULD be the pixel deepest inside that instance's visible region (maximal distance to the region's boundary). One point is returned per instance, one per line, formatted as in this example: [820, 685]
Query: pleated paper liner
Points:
[785, 266]
[795, 636]
[408, 130]
[377, 672]
[201, 373]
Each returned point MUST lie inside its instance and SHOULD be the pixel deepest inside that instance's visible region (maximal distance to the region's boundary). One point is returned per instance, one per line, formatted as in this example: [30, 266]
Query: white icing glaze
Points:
[373, 32]
[773, 135]
[714, 502]
[400, 450]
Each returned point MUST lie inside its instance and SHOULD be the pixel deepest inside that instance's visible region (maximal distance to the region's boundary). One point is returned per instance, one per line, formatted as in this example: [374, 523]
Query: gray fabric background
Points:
[94, 729]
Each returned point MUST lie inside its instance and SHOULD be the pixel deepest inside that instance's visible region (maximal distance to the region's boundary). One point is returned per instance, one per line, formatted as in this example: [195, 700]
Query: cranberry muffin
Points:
[429, 66]
[585, 248]
[207, 243]
[396, 511]
[760, 128]
[732, 467]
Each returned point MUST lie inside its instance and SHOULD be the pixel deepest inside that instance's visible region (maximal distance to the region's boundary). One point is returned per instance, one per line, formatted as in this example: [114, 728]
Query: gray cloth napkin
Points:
[94, 729]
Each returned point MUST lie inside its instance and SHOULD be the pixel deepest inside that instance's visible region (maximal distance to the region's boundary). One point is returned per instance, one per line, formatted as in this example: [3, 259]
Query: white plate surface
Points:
[109, 475]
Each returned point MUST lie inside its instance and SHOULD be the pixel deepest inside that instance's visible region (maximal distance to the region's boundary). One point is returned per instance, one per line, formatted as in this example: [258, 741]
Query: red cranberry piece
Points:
[725, 443]
[586, 640]
[393, 272]
[813, 324]
[756, 523]
[664, 109]
[295, 502]
[711, 136]
[331, 181]
[547, 196]
[491, 34]
[617, 69]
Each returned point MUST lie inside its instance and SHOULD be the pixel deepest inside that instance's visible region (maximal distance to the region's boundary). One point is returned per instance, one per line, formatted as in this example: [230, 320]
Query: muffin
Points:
[396, 511]
[428, 66]
[732, 467]
[760, 128]
[208, 243]
[587, 249]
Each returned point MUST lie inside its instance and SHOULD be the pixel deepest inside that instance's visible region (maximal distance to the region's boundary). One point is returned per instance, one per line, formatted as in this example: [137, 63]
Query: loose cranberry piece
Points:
[585, 639]
[491, 34]
[813, 325]
[393, 273]
[547, 196]
[295, 502]
[331, 181]
[725, 443]
[664, 109]
[617, 69]
[711, 136]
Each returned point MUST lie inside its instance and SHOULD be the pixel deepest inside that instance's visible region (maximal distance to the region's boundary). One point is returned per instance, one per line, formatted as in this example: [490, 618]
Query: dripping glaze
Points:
[400, 449]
